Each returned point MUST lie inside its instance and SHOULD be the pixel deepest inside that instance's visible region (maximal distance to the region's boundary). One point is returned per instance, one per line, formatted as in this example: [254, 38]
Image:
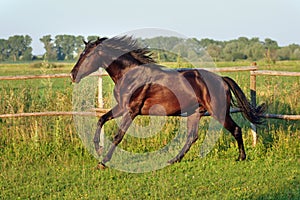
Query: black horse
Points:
[141, 85]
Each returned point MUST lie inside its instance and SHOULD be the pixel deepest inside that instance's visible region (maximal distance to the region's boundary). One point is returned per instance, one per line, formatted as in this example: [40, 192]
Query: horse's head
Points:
[88, 62]
[119, 52]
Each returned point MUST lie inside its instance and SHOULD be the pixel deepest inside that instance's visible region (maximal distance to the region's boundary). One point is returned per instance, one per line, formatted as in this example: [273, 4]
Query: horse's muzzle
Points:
[73, 78]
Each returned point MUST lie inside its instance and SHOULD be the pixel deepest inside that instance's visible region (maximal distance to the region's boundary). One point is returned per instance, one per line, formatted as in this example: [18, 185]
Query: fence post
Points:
[100, 103]
[253, 102]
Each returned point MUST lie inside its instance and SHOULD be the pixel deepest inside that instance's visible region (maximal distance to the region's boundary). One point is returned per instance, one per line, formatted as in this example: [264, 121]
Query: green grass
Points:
[52, 172]
[209, 178]
[44, 158]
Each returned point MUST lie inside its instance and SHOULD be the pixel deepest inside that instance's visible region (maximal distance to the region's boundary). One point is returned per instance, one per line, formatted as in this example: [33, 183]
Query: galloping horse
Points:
[141, 85]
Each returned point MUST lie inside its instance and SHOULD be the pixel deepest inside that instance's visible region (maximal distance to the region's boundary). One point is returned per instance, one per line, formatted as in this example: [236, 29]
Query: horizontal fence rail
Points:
[42, 76]
[278, 116]
[231, 69]
[56, 113]
[274, 73]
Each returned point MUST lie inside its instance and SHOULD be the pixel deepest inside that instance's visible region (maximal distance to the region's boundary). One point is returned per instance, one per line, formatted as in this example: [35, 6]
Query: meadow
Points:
[44, 157]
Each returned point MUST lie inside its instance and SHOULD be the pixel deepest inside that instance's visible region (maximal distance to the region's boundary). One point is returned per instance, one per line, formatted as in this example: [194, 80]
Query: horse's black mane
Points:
[125, 45]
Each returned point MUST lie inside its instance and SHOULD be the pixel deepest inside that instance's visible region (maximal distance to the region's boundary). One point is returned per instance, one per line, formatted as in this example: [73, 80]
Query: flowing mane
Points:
[126, 45]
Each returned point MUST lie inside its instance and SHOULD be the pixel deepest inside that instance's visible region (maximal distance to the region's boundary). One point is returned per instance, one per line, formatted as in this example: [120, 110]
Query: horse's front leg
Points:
[113, 113]
[125, 123]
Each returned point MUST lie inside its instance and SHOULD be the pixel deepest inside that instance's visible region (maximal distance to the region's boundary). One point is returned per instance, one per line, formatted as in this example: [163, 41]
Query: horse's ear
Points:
[99, 40]
[85, 42]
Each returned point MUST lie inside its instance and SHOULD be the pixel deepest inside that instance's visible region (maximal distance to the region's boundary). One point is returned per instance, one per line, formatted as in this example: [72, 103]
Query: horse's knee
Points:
[118, 138]
[101, 121]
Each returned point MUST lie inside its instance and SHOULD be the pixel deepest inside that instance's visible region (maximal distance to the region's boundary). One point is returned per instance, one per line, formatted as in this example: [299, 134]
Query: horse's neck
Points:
[116, 70]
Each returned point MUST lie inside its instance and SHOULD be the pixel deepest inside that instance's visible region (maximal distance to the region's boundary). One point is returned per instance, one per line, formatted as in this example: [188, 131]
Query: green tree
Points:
[284, 53]
[50, 53]
[204, 43]
[19, 47]
[214, 51]
[271, 47]
[270, 44]
[3, 50]
[256, 51]
[65, 47]
[27, 54]
[79, 46]
[228, 51]
[296, 54]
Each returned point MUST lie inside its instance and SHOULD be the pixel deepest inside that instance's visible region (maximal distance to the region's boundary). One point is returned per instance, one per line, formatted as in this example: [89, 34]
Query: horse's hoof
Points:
[241, 158]
[172, 161]
[100, 166]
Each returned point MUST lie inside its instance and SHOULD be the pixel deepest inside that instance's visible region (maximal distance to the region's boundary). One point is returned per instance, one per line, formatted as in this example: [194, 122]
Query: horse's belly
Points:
[166, 103]
[161, 108]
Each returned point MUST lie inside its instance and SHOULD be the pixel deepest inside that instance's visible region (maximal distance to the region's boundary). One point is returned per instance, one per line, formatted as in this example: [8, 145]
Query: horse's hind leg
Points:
[236, 131]
[192, 124]
[219, 108]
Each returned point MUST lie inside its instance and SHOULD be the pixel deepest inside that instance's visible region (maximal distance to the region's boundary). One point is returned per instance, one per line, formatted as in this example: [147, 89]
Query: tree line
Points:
[242, 48]
[69, 47]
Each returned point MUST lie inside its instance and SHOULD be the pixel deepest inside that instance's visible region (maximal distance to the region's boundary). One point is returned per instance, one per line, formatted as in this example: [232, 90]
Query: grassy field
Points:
[44, 158]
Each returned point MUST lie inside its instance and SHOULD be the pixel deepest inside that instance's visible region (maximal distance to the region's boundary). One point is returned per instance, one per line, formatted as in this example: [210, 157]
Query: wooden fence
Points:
[254, 72]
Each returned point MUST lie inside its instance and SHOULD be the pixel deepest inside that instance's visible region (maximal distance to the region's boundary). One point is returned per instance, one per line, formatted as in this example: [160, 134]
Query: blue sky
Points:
[215, 19]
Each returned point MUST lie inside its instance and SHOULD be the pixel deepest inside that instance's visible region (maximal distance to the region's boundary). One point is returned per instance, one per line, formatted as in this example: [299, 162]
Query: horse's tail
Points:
[250, 112]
